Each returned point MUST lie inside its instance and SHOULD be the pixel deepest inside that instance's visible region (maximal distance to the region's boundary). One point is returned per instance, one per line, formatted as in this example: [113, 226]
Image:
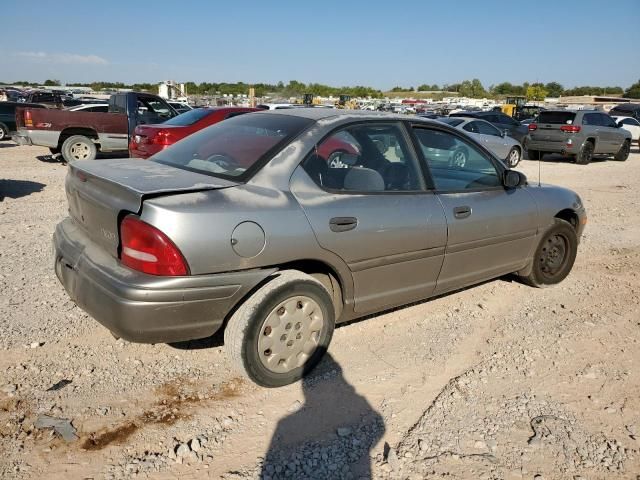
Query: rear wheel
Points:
[281, 332]
[585, 154]
[555, 255]
[624, 151]
[4, 132]
[78, 147]
[513, 158]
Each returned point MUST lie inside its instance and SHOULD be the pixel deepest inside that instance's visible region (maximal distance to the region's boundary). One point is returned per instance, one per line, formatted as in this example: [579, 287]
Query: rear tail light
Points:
[533, 126]
[28, 121]
[163, 137]
[570, 128]
[148, 250]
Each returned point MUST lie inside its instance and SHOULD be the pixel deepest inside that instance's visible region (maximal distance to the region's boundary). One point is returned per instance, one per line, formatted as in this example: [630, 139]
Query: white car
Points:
[631, 125]
[90, 107]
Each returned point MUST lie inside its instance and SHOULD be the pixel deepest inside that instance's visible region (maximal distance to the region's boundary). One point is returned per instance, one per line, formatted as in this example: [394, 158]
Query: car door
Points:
[491, 229]
[364, 194]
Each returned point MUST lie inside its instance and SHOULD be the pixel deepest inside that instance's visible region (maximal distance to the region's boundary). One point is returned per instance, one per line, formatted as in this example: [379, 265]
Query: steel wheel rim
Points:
[2, 133]
[514, 156]
[290, 334]
[80, 151]
[553, 255]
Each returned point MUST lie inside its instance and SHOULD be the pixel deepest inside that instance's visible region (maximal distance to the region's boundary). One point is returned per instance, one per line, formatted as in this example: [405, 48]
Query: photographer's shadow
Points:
[330, 435]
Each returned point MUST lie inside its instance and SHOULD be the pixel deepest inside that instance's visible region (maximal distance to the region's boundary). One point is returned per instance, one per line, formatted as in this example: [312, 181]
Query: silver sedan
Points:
[504, 147]
[275, 226]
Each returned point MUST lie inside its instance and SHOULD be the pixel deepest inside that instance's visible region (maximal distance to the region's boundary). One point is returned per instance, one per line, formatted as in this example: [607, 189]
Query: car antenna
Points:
[539, 168]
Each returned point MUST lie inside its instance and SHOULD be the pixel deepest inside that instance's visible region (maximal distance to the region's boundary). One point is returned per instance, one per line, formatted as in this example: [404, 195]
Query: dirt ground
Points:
[496, 381]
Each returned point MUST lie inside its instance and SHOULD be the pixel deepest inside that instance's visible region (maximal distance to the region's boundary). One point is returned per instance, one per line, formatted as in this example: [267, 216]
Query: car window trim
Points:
[497, 164]
[409, 141]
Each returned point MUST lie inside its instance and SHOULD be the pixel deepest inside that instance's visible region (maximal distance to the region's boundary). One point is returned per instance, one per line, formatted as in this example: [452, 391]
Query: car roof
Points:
[630, 107]
[322, 113]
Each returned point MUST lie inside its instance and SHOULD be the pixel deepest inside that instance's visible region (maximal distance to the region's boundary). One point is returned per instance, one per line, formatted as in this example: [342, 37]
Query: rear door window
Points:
[365, 158]
[487, 129]
[592, 119]
[557, 118]
[630, 121]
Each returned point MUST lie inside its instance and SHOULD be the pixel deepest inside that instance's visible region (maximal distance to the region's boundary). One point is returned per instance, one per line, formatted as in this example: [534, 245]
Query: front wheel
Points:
[555, 255]
[281, 332]
[4, 132]
[78, 147]
[513, 158]
[624, 151]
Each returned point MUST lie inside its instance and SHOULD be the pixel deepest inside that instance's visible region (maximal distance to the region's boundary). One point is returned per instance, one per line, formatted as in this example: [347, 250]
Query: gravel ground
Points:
[496, 381]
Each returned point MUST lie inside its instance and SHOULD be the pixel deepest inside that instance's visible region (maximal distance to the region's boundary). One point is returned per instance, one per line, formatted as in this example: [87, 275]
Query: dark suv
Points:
[499, 120]
[626, 110]
[578, 134]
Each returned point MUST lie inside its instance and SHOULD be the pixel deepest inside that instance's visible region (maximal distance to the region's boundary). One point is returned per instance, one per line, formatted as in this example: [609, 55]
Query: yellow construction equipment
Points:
[345, 102]
[512, 105]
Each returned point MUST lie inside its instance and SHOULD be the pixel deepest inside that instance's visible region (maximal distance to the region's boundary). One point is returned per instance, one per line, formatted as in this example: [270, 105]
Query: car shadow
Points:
[553, 158]
[7, 145]
[59, 159]
[18, 188]
[327, 435]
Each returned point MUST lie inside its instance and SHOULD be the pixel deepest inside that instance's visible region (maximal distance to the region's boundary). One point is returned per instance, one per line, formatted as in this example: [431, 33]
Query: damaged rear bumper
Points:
[145, 308]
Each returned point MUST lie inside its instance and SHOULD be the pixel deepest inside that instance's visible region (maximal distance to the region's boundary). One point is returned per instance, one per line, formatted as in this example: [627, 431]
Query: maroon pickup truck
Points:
[81, 135]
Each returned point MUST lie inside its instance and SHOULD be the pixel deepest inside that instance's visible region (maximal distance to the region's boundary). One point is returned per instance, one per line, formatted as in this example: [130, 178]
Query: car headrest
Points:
[362, 179]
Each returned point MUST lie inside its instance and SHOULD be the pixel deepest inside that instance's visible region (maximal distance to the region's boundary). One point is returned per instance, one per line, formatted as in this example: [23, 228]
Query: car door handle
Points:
[343, 224]
[462, 212]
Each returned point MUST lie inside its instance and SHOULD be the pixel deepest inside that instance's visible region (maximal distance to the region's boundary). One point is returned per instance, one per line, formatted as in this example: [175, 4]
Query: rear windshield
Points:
[235, 148]
[190, 117]
[559, 118]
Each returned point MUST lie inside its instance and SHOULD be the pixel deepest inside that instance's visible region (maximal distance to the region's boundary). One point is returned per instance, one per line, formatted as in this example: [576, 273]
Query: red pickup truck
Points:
[81, 135]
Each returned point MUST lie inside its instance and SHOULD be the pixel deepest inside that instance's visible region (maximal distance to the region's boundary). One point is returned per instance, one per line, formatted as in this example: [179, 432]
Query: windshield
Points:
[190, 117]
[454, 122]
[236, 147]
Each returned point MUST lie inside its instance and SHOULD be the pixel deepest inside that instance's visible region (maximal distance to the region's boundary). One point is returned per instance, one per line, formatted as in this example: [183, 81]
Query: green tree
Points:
[554, 89]
[536, 91]
[52, 83]
[633, 91]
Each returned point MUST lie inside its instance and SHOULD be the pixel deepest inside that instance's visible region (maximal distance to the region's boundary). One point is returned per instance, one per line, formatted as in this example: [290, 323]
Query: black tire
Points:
[554, 256]
[4, 132]
[585, 154]
[512, 162]
[534, 155]
[78, 147]
[249, 325]
[624, 151]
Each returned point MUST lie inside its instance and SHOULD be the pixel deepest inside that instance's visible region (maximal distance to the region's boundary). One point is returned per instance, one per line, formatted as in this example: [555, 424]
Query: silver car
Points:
[248, 226]
[504, 147]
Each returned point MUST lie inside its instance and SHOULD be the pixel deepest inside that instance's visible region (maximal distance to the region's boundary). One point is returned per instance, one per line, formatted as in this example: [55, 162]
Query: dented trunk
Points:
[100, 193]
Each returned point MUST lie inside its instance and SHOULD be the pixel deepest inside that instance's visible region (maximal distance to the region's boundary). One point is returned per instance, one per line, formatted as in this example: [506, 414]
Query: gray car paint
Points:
[406, 247]
[498, 144]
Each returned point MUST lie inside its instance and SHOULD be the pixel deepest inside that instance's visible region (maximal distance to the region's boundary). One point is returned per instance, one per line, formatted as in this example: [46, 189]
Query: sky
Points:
[339, 43]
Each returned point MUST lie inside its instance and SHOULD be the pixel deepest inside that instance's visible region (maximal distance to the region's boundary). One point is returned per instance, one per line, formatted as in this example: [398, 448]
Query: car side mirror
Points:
[505, 132]
[513, 179]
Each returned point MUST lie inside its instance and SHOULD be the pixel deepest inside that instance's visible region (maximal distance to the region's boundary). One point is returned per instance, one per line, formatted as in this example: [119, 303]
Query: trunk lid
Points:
[549, 126]
[101, 192]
